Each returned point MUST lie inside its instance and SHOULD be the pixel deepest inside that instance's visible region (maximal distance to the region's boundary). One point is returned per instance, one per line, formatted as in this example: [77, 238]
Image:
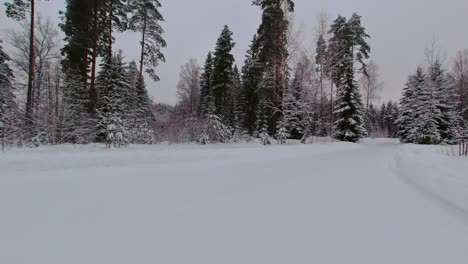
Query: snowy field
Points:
[377, 202]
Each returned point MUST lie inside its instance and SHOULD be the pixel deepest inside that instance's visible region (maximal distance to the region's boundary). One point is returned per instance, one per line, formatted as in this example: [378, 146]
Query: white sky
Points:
[400, 31]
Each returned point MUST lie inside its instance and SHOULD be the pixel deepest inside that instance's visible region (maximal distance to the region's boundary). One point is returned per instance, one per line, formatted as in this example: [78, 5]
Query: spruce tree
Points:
[349, 109]
[407, 117]
[223, 63]
[113, 107]
[8, 109]
[206, 87]
[448, 125]
[250, 92]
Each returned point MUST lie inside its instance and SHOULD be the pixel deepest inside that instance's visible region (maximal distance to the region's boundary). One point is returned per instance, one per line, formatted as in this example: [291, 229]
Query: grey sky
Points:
[400, 30]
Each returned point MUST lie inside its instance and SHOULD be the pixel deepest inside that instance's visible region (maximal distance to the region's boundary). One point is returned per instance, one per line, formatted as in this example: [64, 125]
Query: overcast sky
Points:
[400, 31]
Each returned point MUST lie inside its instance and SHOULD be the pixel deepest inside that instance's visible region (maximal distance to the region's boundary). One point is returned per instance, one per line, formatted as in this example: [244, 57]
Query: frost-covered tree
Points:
[349, 125]
[188, 88]
[349, 42]
[371, 84]
[272, 42]
[408, 103]
[223, 63]
[8, 111]
[250, 92]
[113, 108]
[18, 10]
[77, 125]
[206, 81]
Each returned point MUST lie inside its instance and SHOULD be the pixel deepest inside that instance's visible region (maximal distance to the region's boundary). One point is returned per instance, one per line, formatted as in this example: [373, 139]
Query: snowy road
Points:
[333, 203]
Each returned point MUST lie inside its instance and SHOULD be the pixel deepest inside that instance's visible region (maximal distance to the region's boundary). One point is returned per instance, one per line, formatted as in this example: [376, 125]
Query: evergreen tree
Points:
[8, 109]
[206, 86]
[77, 126]
[292, 109]
[222, 85]
[113, 105]
[237, 100]
[407, 116]
[146, 19]
[349, 109]
[273, 53]
[76, 25]
[448, 124]
[250, 92]
[347, 43]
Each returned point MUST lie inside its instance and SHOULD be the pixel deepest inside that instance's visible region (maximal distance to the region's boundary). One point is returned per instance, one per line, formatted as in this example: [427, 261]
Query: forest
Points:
[68, 84]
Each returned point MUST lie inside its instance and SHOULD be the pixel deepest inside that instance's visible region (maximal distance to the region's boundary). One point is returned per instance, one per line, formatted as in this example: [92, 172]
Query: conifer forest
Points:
[233, 131]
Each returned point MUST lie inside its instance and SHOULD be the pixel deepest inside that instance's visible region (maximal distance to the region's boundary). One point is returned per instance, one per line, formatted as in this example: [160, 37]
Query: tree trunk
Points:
[143, 45]
[29, 99]
[92, 88]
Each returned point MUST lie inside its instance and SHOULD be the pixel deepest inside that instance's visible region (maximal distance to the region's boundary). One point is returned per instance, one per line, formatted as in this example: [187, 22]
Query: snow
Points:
[374, 202]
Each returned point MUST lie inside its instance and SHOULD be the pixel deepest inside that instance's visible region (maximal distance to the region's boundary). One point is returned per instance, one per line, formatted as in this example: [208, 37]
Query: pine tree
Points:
[273, 53]
[77, 25]
[223, 63]
[147, 19]
[8, 109]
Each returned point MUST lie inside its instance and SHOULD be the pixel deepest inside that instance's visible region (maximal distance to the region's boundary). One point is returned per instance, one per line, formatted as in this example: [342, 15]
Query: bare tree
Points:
[323, 26]
[188, 88]
[371, 84]
[46, 50]
[294, 36]
[460, 79]
[45, 93]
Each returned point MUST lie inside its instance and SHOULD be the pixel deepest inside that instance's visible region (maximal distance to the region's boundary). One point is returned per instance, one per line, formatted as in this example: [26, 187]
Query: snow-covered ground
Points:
[375, 202]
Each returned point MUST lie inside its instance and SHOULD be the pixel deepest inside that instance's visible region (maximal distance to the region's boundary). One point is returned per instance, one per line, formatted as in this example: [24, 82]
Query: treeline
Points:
[434, 103]
[82, 91]
[281, 91]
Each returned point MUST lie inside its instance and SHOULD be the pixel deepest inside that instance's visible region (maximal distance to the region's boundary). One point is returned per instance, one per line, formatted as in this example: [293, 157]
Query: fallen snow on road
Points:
[375, 202]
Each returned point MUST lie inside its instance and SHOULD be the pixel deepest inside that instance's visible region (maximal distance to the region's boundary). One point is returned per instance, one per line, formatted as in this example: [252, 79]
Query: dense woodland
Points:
[80, 90]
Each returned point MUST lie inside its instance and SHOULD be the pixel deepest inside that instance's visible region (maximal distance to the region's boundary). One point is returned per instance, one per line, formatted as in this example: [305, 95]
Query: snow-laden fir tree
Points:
[8, 109]
[77, 126]
[292, 108]
[448, 124]
[143, 115]
[114, 104]
[349, 125]
[407, 117]
[223, 63]
[250, 92]
[206, 81]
